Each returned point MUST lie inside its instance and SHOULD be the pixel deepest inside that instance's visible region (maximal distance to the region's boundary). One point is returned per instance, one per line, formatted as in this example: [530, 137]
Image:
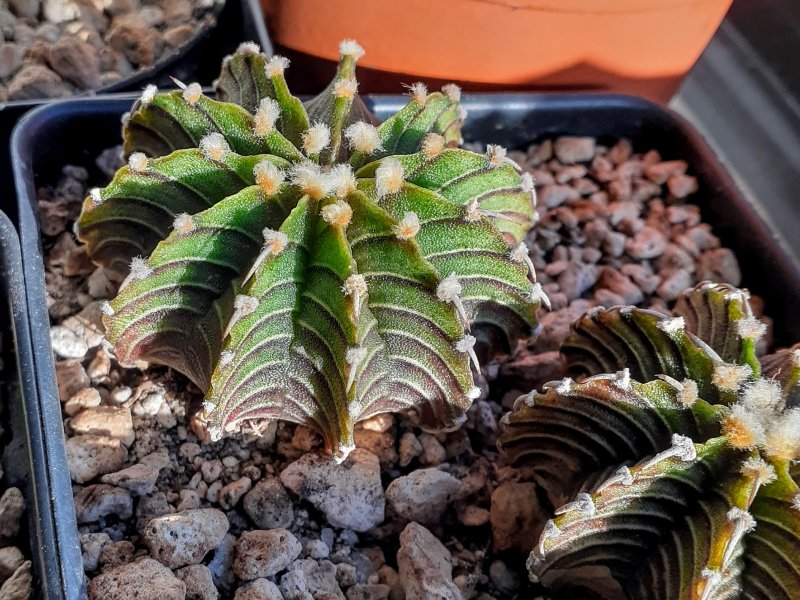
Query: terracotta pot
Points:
[624, 45]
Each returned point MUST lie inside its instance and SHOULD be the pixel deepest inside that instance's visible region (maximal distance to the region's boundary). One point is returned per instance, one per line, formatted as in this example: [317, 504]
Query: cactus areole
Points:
[672, 466]
[297, 261]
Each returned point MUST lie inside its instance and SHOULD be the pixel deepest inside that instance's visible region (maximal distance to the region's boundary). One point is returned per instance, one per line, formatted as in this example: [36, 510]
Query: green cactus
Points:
[672, 465]
[305, 264]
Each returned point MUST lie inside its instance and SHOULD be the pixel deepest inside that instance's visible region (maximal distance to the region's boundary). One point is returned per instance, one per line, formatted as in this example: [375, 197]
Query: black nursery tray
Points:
[34, 458]
[53, 136]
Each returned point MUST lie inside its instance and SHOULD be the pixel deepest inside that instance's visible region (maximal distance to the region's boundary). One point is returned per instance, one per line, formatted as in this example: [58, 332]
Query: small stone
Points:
[529, 370]
[380, 423]
[349, 494]
[719, 265]
[648, 243]
[85, 398]
[210, 469]
[221, 565]
[423, 495]
[308, 578]
[551, 196]
[577, 279]
[368, 591]
[146, 579]
[20, 585]
[569, 149]
[12, 507]
[94, 502]
[77, 62]
[268, 505]
[25, 9]
[230, 494]
[317, 549]
[618, 283]
[133, 38]
[425, 565]
[66, 343]
[409, 448]
[100, 366]
[259, 589]
[199, 584]
[515, 516]
[11, 559]
[264, 553]
[473, 516]
[114, 421]
[185, 538]
[92, 545]
[35, 81]
[381, 444]
[346, 575]
[10, 59]
[681, 186]
[433, 453]
[140, 479]
[673, 285]
[116, 554]
[504, 578]
[89, 456]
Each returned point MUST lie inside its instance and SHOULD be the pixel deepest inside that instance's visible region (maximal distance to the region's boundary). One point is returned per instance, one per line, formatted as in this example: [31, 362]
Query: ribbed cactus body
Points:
[671, 465]
[304, 264]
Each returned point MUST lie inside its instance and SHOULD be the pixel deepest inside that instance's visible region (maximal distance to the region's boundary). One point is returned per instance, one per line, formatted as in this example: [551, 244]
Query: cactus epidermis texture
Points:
[298, 261]
[671, 465]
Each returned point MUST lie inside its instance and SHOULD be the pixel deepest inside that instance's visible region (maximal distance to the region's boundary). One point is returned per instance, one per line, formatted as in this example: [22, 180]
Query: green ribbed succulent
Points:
[303, 263]
[673, 464]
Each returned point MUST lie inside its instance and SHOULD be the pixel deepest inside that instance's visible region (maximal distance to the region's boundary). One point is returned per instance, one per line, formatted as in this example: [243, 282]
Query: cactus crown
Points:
[673, 470]
[304, 263]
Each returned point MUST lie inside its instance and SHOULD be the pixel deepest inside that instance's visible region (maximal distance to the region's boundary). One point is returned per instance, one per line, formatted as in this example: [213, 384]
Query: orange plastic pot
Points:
[622, 45]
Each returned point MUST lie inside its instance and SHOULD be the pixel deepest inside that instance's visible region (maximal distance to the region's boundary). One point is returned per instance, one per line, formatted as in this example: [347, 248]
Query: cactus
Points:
[672, 464]
[303, 263]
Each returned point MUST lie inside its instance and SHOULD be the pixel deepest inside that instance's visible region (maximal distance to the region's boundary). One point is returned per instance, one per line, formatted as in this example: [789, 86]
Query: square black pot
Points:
[55, 135]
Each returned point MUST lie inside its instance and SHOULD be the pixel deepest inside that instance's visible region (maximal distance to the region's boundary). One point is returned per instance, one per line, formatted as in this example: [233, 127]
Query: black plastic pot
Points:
[53, 136]
[34, 459]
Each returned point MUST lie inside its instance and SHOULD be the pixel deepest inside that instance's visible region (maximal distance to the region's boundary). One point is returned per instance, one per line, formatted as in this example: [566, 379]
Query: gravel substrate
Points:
[15, 568]
[57, 48]
[410, 514]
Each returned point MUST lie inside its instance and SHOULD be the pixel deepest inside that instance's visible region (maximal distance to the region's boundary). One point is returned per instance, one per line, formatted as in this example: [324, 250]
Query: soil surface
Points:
[410, 514]
[57, 48]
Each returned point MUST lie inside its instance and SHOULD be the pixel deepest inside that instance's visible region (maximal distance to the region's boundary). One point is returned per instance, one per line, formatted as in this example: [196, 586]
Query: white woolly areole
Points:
[407, 227]
[751, 329]
[741, 515]
[138, 162]
[689, 393]
[672, 326]
[474, 393]
[339, 213]
[623, 379]
[622, 476]
[529, 185]
[418, 92]
[192, 93]
[550, 531]
[583, 505]
[214, 146]
[462, 113]
[342, 180]
[309, 178]
[389, 177]
[783, 435]
[683, 447]
[796, 502]
[275, 242]
[743, 428]
[466, 343]
[449, 288]
[363, 137]
[759, 469]
[538, 295]
[183, 223]
[316, 138]
[276, 66]
[107, 309]
[472, 211]
[355, 284]
[498, 156]
[762, 395]
[245, 304]
[713, 578]
[351, 48]
[139, 268]
[727, 376]
[565, 386]
[148, 94]
[432, 145]
[267, 114]
[225, 358]
[796, 358]
[345, 88]
[268, 177]
[94, 194]
[355, 356]
[452, 91]
[249, 48]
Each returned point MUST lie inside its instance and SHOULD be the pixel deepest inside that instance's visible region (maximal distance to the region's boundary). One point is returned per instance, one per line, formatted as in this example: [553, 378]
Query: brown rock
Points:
[146, 579]
[515, 516]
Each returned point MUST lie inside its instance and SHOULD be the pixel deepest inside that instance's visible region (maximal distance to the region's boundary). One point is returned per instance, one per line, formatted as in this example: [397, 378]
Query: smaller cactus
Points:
[303, 263]
[672, 465]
